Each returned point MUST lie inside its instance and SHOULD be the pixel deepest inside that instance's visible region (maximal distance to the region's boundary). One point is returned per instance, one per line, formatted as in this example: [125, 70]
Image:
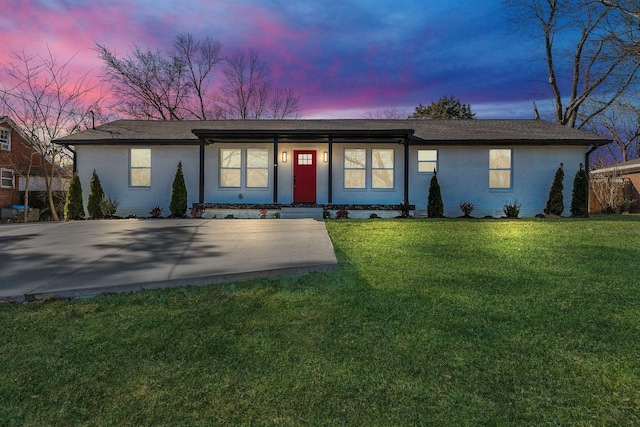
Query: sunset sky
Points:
[345, 58]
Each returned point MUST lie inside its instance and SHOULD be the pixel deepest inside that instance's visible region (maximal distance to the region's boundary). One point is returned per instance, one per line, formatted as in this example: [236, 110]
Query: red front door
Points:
[304, 176]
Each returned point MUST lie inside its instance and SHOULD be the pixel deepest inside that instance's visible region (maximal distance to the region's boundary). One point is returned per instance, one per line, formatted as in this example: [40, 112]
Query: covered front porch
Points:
[300, 169]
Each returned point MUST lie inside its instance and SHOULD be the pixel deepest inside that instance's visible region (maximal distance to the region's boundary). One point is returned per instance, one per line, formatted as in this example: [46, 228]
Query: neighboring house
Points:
[18, 159]
[620, 181]
[358, 164]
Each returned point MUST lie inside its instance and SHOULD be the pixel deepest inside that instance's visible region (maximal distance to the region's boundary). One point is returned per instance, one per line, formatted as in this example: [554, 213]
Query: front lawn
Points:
[439, 322]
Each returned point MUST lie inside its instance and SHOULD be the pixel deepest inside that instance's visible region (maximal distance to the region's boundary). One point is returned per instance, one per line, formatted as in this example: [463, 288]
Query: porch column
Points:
[201, 178]
[406, 170]
[275, 170]
[330, 171]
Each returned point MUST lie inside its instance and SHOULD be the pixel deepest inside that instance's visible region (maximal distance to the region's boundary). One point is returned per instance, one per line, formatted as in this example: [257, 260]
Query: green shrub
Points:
[109, 206]
[342, 213]
[178, 205]
[555, 203]
[196, 211]
[156, 212]
[580, 193]
[435, 207]
[96, 195]
[466, 208]
[73, 207]
[511, 209]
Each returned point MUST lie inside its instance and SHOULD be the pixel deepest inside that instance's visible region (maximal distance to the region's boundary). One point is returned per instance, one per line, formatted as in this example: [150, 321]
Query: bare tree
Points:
[600, 63]
[199, 59]
[146, 84]
[163, 86]
[391, 113]
[621, 124]
[608, 188]
[629, 7]
[39, 94]
[285, 103]
[248, 92]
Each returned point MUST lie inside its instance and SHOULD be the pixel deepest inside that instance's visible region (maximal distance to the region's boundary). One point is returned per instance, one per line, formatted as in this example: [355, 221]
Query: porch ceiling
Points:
[382, 136]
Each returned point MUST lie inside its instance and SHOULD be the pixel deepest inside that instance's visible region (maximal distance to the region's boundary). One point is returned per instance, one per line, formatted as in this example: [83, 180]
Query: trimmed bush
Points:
[73, 207]
[435, 207]
[580, 194]
[555, 203]
[109, 206]
[96, 195]
[178, 205]
[466, 208]
[511, 209]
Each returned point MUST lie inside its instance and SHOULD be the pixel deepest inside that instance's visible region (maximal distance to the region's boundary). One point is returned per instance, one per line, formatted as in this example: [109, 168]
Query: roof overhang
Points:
[334, 135]
[504, 142]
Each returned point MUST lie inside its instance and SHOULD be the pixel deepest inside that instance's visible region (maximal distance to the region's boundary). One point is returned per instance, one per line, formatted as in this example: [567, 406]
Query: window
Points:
[5, 139]
[230, 167]
[500, 168]
[253, 161]
[6, 176]
[382, 168]
[427, 161]
[355, 168]
[305, 159]
[257, 167]
[140, 167]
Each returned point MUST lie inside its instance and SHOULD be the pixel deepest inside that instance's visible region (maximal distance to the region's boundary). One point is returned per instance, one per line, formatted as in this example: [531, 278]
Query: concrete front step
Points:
[300, 212]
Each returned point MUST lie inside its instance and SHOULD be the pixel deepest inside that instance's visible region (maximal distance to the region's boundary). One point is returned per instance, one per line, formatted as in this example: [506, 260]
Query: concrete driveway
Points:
[84, 258]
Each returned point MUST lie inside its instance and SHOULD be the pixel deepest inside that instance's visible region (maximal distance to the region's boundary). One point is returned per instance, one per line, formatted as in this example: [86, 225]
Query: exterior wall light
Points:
[325, 157]
[284, 157]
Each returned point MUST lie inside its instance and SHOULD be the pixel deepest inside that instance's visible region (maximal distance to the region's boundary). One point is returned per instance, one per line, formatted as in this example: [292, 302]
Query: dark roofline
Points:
[505, 142]
[128, 142]
[211, 135]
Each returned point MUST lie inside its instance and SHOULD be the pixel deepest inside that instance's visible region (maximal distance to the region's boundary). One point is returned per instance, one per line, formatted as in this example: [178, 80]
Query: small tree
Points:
[435, 208]
[555, 203]
[178, 205]
[447, 108]
[96, 195]
[73, 208]
[580, 194]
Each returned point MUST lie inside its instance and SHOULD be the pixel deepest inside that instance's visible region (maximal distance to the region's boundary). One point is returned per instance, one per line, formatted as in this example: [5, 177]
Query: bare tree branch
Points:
[39, 94]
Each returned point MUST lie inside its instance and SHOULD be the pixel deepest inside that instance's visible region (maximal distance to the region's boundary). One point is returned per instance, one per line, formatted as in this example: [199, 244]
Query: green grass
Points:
[436, 322]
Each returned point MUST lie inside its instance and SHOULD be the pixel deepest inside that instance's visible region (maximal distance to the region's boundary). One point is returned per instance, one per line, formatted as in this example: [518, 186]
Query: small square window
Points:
[7, 178]
[305, 159]
[5, 139]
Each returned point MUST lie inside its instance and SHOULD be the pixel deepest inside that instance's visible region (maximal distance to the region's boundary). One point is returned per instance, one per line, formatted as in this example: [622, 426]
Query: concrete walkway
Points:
[84, 258]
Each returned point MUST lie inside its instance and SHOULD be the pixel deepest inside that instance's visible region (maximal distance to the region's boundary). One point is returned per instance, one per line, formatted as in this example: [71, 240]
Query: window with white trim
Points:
[140, 167]
[382, 168]
[427, 161]
[355, 168]
[500, 168]
[257, 167]
[230, 167]
[5, 139]
[7, 178]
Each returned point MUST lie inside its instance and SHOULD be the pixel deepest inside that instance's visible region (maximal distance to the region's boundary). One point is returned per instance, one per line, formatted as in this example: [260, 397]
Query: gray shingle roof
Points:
[424, 131]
